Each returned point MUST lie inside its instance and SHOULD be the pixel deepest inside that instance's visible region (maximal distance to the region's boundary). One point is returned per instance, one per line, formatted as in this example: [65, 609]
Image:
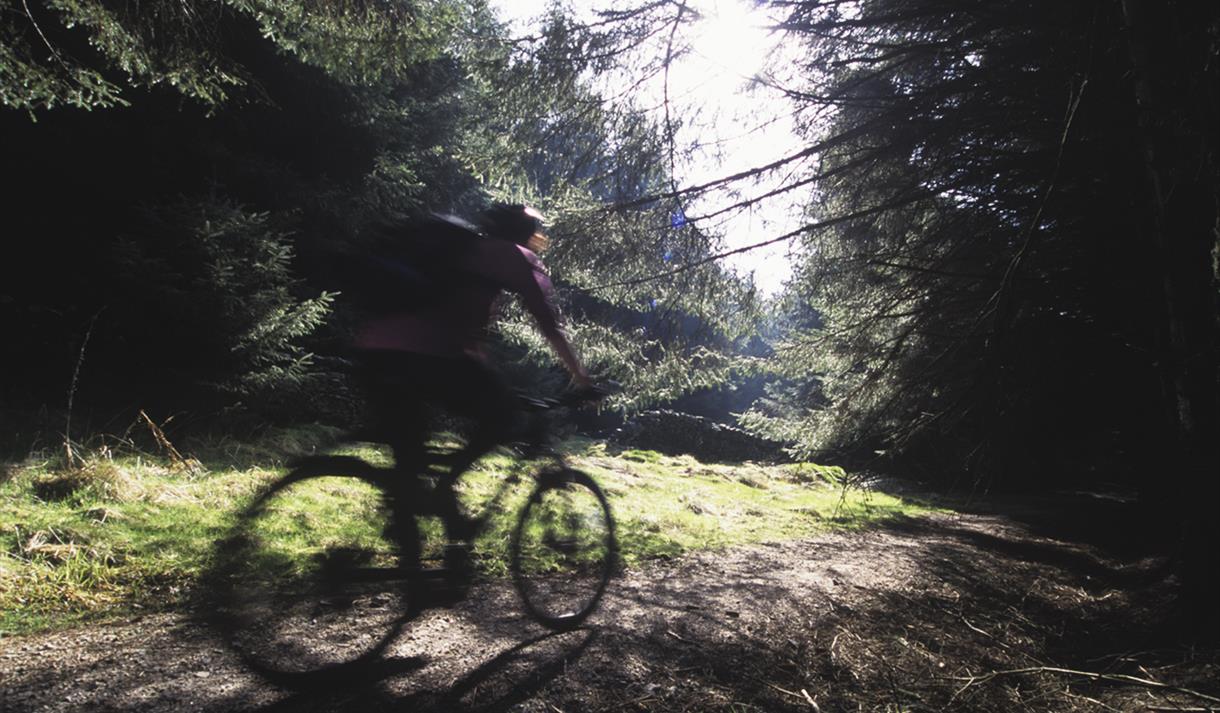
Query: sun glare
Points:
[721, 125]
[742, 125]
[731, 33]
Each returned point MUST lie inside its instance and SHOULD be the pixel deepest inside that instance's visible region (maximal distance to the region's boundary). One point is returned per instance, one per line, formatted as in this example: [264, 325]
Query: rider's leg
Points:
[477, 392]
[481, 396]
[399, 419]
[406, 384]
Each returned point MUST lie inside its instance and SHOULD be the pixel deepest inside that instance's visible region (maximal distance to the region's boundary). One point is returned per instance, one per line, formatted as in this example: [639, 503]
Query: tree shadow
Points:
[937, 613]
[1114, 522]
[1085, 560]
[988, 621]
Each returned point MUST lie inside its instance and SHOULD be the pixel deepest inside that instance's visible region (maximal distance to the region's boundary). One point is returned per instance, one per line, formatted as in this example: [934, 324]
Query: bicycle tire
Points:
[318, 575]
[563, 551]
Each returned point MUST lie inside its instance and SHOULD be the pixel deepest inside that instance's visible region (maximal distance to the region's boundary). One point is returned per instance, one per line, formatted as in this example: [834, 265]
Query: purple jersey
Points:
[456, 324]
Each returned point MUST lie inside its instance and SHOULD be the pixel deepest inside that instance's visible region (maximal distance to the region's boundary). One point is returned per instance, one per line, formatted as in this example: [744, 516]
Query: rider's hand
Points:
[593, 392]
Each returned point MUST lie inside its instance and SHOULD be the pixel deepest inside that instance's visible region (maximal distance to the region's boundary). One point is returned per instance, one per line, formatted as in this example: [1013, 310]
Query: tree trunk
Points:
[1177, 142]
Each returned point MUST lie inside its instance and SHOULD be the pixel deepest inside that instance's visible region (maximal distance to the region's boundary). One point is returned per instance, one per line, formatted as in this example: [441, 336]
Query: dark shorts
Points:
[408, 392]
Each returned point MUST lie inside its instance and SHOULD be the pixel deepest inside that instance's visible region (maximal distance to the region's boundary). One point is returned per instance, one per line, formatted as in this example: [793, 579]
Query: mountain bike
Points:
[327, 565]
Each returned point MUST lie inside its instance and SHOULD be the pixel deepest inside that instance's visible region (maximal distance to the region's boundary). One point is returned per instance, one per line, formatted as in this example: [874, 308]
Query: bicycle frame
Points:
[536, 447]
[305, 628]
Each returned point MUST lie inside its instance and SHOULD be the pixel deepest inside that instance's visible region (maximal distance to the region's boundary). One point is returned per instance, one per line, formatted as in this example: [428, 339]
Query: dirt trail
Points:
[903, 615]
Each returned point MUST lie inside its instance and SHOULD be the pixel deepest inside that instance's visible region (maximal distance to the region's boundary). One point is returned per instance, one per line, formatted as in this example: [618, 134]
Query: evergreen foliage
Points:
[978, 241]
[290, 126]
[594, 164]
[233, 311]
[82, 53]
[1011, 252]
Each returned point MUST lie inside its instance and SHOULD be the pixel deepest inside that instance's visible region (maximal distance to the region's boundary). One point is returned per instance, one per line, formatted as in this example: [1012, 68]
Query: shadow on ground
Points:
[951, 612]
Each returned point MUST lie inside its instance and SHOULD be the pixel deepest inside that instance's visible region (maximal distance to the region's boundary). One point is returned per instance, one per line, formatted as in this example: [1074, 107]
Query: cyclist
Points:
[435, 357]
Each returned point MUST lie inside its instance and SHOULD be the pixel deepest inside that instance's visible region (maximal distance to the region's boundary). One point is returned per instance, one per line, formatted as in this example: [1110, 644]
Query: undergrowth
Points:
[119, 533]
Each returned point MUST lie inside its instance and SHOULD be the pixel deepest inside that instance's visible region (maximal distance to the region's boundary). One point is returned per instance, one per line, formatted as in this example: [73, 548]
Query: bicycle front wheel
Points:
[563, 551]
[318, 575]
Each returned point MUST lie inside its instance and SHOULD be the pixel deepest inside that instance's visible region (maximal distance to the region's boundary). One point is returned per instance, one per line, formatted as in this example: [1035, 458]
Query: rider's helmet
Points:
[518, 223]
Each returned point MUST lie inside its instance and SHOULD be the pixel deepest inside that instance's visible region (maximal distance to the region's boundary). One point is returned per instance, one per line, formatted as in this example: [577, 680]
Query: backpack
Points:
[406, 264]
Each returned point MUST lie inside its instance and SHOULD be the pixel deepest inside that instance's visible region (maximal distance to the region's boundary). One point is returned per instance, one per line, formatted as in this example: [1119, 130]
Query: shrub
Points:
[216, 281]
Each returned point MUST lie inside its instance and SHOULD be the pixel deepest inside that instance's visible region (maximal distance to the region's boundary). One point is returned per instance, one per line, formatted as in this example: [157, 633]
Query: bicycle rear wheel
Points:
[563, 551]
[318, 576]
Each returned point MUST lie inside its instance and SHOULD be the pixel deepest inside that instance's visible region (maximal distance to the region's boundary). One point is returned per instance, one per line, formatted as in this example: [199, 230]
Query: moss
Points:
[134, 533]
[641, 456]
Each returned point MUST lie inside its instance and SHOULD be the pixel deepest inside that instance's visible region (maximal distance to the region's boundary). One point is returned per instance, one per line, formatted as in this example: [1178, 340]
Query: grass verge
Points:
[126, 534]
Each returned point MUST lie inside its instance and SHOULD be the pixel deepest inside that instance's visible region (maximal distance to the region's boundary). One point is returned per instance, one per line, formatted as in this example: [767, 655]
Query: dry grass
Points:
[99, 477]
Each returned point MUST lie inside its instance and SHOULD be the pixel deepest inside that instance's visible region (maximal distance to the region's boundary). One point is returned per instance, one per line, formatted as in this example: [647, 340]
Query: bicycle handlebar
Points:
[572, 398]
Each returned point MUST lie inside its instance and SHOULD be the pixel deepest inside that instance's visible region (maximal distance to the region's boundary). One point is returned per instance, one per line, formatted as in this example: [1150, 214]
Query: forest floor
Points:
[969, 611]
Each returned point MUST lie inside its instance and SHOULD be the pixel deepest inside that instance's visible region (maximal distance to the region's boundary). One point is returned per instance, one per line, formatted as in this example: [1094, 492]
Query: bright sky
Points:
[734, 128]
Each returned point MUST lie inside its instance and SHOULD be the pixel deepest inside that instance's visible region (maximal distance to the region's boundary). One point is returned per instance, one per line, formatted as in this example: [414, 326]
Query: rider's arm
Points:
[524, 274]
[563, 349]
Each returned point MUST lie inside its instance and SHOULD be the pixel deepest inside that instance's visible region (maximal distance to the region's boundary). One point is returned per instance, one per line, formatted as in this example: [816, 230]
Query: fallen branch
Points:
[1112, 677]
[976, 629]
[803, 694]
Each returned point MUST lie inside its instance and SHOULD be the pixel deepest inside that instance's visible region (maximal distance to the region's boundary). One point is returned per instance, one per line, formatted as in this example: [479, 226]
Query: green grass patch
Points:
[641, 456]
[666, 506]
[121, 535]
[74, 546]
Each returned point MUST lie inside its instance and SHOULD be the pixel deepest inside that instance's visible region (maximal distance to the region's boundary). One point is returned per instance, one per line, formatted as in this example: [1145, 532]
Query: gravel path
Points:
[749, 627]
